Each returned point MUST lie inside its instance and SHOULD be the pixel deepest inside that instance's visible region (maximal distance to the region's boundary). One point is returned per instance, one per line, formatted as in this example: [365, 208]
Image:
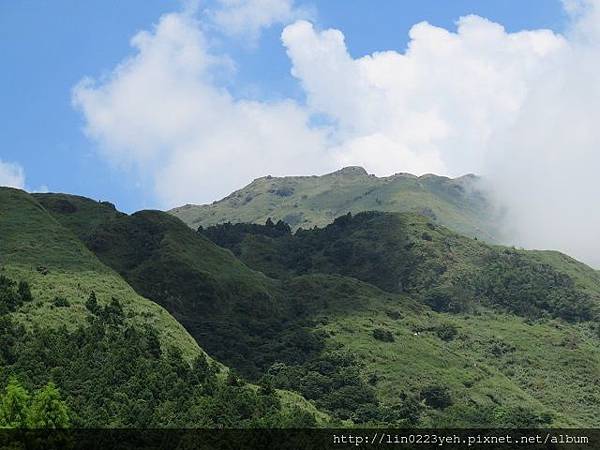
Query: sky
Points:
[157, 103]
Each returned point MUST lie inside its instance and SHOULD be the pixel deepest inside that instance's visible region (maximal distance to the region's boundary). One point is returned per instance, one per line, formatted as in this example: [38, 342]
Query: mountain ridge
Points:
[308, 201]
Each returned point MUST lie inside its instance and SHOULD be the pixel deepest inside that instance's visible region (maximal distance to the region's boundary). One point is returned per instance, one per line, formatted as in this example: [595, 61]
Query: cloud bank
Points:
[519, 108]
[11, 175]
[432, 108]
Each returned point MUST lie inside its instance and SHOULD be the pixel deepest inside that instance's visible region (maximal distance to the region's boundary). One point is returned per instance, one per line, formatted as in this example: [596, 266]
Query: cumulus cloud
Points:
[11, 175]
[163, 113]
[432, 108]
[519, 108]
[249, 17]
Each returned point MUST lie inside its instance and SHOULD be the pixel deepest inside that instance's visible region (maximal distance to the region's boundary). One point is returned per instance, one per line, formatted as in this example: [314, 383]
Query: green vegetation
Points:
[94, 352]
[118, 375]
[405, 253]
[377, 318]
[238, 315]
[19, 409]
[305, 202]
[508, 333]
[54, 263]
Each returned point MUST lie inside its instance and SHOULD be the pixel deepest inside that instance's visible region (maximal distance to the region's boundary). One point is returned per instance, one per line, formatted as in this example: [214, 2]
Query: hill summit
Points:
[308, 201]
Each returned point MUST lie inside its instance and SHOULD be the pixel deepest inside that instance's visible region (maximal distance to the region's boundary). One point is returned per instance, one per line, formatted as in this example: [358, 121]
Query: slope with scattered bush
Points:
[116, 359]
[402, 323]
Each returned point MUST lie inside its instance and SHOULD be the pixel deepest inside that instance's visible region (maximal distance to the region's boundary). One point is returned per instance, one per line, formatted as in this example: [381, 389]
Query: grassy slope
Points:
[552, 367]
[31, 237]
[584, 276]
[497, 360]
[544, 366]
[316, 201]
[231, 310]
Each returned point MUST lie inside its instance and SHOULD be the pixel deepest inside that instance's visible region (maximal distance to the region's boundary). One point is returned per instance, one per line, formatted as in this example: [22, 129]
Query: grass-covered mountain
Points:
[512, 334]
[233, 310]
[377, 318]
[80, 347]
[308, 201]
[408, 253]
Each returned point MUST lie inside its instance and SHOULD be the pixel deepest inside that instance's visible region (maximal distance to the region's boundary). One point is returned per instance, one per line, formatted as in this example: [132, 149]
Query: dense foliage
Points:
[511, 281]
[117, 375]
[355, 246]
[19, 409]
[334, 381]
[411, 255]
[241, 318]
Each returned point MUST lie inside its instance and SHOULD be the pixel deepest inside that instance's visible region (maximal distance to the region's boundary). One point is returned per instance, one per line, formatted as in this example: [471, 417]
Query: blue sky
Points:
[47, 47]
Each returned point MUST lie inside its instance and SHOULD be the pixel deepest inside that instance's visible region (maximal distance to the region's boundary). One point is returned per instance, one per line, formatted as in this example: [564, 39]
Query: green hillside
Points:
[116, 358]
[407, 253]
[511, 332]
[378, 318]
[36, 248]
[204, 286]
[310, 201]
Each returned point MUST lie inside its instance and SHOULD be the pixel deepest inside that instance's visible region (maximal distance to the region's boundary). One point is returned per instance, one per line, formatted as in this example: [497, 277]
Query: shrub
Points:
[383, 335]
[393, 314]
[446, 332]
[437, 397]
[92, 303]
[444, 300]
[61, 302]
[24, 291]
[499, 348]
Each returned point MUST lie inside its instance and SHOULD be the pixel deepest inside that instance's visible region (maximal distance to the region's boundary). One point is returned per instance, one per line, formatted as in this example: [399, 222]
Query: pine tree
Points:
[14, 405]
[92, 303]
[48, 410]
[25, 291]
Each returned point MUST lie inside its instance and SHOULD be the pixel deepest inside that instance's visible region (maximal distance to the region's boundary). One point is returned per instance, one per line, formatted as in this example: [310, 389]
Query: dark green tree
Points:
[24, 291]
[92, 303]
[437, 397]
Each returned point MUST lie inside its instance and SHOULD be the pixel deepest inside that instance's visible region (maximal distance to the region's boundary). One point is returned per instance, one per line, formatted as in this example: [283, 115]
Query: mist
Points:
[544, 169]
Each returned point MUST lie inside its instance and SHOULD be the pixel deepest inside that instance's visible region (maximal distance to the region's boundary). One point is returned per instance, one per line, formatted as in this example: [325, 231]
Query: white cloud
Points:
[249, 17]
[11, 175]
[432, 108]
[161, 112]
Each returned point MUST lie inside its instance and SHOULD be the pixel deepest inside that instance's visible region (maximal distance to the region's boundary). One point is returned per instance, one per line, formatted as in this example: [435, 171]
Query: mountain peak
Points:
[351, 170]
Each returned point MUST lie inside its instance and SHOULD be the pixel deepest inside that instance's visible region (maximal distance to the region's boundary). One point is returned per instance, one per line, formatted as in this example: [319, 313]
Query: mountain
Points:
[511, 334]
[309, 201]
[378, 318]
[36, 248]
[204, 286]
[70, 322]
[408, 253]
